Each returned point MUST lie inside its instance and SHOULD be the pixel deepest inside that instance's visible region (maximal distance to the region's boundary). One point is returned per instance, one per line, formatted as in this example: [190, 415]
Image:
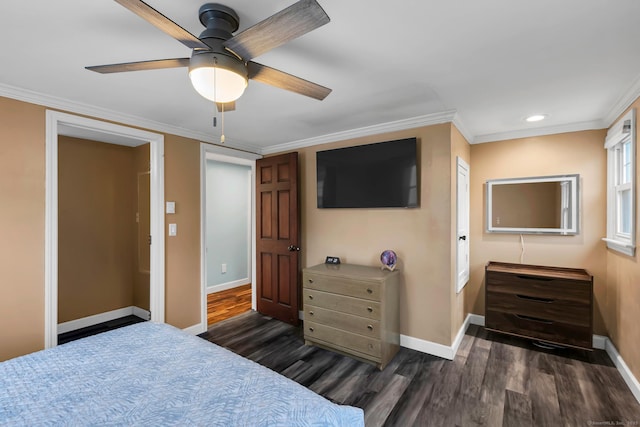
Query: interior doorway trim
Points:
[223, 154]
[58, 123]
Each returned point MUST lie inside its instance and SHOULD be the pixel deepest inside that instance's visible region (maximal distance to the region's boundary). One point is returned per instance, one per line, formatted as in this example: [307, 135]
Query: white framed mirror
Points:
[534, 205]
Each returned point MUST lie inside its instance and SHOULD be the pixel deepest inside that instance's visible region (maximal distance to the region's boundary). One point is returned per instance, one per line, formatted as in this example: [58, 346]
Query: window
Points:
[621, 178]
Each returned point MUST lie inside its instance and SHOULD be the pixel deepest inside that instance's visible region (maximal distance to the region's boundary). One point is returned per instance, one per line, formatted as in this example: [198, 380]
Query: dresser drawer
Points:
[344, 339]
[344, 304]
[539, 286]
[342, 286]
[532, 327]
[548, 308]
[356, 324]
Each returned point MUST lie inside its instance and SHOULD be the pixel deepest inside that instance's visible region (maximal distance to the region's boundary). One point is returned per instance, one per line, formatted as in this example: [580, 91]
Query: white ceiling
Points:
[485, 64]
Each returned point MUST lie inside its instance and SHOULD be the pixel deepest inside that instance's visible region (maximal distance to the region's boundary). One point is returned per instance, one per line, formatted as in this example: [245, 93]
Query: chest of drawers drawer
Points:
[347, 322]
[352, 310]
[342, 303]
[343, 286]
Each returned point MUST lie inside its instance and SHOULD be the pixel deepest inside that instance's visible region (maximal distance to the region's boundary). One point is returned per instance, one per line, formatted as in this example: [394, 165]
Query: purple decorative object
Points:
[388, 259]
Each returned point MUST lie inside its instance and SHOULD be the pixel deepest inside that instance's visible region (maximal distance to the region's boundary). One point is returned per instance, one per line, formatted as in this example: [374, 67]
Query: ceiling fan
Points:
[220, 64]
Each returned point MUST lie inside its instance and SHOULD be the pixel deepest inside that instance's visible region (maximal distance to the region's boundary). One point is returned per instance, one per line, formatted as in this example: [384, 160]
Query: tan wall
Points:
[182, 185]
[421, 237]
[459, 148]
[22, 192]
[568, 153]
[22, 188]
[623, 284]
[95, 227]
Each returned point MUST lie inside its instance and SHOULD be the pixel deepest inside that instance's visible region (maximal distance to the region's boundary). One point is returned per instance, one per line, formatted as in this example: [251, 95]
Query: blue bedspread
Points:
[153, 374]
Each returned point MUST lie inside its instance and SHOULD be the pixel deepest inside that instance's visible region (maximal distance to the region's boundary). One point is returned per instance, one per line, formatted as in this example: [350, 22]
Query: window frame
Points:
[622, 132]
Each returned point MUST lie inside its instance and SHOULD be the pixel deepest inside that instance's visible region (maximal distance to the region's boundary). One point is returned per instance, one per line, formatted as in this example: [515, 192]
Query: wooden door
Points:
[277, 237]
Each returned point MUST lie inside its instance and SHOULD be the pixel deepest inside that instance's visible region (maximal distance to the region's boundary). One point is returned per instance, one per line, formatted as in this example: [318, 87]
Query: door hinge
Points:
[149, 239]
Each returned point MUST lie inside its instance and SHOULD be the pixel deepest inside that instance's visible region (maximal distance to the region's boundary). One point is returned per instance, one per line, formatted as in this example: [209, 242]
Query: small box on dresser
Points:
[549, 304]
[352, 309]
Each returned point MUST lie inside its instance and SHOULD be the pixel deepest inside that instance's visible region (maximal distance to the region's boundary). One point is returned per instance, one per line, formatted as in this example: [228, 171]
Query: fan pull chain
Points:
[215, 110]
[215, 106]
[222, 127]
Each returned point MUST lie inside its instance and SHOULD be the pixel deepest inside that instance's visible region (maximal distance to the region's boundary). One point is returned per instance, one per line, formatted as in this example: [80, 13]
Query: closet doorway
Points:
[61, 126]
[228, 231]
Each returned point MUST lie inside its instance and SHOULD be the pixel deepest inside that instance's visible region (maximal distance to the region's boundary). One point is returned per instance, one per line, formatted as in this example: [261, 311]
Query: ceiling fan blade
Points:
[156, 64]
[286, 25]
[163, 23]
[228, 106]
[282, 80]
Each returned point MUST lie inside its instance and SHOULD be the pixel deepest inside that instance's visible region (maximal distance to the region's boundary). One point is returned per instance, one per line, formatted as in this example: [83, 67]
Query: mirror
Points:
[538, 205]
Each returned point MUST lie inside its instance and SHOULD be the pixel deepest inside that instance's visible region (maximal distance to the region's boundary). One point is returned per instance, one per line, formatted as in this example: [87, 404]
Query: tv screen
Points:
[381, 175]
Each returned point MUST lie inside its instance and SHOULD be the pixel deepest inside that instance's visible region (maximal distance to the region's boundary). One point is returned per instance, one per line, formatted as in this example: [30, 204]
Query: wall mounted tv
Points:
[380, 175]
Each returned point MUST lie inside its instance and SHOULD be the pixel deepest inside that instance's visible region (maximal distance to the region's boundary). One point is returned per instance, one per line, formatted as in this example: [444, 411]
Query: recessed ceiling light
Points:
[536, 117]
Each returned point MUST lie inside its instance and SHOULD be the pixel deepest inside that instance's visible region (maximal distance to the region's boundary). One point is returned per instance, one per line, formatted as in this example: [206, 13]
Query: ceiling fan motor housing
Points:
[220, 22]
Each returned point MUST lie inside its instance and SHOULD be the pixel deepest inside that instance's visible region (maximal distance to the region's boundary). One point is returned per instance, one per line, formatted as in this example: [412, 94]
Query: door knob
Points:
[462, 238]
[293, 248]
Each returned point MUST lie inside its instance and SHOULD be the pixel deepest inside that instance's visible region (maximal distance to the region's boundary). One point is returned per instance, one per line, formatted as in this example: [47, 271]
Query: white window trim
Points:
[616, 135]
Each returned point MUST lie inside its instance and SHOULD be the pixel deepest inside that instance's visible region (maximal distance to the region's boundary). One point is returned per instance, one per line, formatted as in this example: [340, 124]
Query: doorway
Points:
[227, 226]
[58, 123]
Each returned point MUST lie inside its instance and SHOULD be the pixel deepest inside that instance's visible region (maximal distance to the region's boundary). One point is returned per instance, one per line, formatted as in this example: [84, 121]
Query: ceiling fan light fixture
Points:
[218, 77]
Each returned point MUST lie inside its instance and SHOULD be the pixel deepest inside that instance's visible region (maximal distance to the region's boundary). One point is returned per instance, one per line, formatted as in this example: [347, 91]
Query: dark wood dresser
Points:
[549, 304]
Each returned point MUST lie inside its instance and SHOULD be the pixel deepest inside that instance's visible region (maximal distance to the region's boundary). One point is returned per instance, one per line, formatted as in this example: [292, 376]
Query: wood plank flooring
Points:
[225, 304]
[493, 381]
[99, 328]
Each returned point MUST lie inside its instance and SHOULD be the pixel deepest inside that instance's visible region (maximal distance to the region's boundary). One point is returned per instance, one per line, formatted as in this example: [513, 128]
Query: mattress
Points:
[152, 374]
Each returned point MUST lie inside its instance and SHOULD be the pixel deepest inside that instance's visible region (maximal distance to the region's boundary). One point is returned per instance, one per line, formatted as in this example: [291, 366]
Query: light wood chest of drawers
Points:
[352, 309]
[550, 304]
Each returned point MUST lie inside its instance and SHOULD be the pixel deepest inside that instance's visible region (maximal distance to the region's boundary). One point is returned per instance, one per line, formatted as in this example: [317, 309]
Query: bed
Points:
[153, 374]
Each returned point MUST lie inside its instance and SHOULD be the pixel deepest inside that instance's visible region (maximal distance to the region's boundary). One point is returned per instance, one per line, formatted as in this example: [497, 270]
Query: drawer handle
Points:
[534, 319]
[536, 299]
[370, 327]
[369, 291]
[311, 313]
[310, 329]
[370, 309]
[310, 280]
[310, 296]
[541, 279]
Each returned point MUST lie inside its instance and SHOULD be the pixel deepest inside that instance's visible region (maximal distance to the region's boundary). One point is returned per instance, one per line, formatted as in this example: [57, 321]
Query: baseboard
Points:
[599, 342]
[627, 375]
[95, 319]
[228, 285]
[429, 347]
[196, 329]
[475, 319]
[141, 313]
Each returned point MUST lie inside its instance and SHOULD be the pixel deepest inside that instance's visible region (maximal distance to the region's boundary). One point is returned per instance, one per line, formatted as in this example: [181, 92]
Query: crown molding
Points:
[628, 98]
[457, 122]
[74, 107]
[541, 131]
[404, 124]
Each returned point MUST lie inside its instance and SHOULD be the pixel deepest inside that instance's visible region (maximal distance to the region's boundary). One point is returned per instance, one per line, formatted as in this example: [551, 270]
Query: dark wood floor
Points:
[225, 304]
[493, 381]
[96, 329]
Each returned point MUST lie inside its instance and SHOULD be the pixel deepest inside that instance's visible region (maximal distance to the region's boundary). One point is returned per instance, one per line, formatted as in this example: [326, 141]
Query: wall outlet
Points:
[223, 268]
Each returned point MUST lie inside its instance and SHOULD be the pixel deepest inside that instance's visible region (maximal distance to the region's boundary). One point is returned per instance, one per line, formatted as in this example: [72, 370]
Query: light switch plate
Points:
[171, 207]
[173, 229]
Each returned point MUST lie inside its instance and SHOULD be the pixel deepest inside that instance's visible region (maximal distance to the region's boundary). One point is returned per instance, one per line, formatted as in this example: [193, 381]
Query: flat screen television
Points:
[380, 175]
